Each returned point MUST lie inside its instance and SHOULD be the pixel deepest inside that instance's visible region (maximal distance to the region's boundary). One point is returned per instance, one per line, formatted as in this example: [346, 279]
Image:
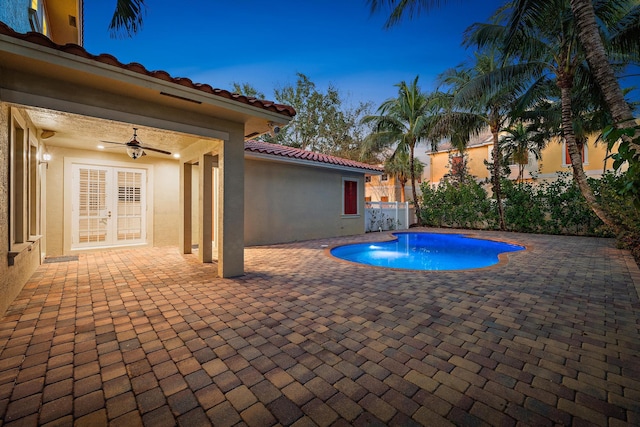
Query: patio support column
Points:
[205, 208]
[230, 206]
[185, 211]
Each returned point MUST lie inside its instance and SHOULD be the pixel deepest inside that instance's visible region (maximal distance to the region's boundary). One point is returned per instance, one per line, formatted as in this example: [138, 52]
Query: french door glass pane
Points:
[92, 197]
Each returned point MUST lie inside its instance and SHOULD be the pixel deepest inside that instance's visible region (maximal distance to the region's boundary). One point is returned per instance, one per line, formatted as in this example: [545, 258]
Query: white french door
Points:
[109, 206]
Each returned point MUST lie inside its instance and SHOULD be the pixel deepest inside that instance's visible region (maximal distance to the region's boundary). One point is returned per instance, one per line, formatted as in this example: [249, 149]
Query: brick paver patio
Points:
[150, 337]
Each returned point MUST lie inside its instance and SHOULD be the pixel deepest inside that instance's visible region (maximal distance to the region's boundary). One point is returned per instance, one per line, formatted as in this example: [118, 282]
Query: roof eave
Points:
[33, 48]
[313, 163]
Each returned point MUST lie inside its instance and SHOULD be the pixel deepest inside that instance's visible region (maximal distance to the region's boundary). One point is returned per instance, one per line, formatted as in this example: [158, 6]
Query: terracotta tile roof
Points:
[298, 154]
[104, 58]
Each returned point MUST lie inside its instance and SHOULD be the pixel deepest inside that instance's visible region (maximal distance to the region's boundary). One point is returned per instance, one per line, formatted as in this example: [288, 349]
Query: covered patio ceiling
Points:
[68, 130]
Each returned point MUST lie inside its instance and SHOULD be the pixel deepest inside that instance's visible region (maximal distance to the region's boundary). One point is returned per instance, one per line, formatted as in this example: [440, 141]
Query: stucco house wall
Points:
[69, 99]
[14, 270]
[283, 202]
[286, 203]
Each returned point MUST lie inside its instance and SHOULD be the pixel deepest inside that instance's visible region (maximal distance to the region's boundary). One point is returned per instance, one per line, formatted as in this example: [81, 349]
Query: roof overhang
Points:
[50, 77]
[308, 163]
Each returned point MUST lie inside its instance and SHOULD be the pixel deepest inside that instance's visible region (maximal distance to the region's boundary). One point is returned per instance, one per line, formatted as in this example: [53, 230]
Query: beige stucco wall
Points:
[162, 197]
[12, 277]
[286, 203]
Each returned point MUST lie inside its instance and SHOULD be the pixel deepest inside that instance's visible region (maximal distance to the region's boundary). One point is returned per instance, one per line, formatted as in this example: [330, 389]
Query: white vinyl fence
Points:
[383, 216]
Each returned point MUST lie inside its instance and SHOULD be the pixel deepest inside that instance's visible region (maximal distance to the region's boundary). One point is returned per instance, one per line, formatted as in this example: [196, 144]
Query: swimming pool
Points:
[427, 251]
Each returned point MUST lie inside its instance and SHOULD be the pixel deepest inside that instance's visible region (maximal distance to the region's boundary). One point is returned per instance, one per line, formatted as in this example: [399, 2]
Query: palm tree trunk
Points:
[521, 173]
[589, 36]
[495, 175]
[565, 83]
[416, 204]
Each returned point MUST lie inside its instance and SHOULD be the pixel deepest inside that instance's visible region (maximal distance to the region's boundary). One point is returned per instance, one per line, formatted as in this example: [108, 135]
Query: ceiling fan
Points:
[135, 149]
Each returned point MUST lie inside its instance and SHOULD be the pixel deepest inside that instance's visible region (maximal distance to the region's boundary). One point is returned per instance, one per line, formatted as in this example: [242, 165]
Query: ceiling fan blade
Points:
[111, 142]
[157, 150]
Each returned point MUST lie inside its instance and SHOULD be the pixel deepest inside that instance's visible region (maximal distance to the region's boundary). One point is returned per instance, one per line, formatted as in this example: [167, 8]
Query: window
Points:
[384, 177]
[566, 159]
[384, 198]
[18, 187]
[34, 196]
[517, 158]
[24, 185]
[350, 197]
[457, 165]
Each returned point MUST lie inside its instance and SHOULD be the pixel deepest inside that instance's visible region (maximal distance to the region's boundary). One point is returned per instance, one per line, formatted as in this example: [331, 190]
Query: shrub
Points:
[554, 207]
[524, 207]
[462, 204]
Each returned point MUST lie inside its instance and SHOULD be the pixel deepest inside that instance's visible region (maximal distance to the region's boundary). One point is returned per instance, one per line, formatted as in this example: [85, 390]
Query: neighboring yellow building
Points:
[386, 188]
[554, 159]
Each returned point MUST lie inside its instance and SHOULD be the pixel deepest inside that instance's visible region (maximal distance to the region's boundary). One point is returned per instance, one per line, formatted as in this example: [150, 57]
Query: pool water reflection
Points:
[427, 251]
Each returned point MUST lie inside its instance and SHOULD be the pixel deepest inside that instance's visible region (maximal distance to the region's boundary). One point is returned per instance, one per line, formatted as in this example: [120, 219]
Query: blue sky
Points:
[265, 43]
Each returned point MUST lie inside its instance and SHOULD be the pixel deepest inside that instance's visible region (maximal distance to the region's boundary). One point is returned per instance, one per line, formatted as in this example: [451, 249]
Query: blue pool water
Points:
[427, 251]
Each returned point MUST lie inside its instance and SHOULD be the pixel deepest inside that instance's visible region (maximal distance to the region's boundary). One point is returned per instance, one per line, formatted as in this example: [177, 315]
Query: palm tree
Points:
[399, 167]
[475, 101]
[587, 33]
[127, 17]
[519, 141]
[546, 42]
[589, 36]
[589, 113]
[402, 123]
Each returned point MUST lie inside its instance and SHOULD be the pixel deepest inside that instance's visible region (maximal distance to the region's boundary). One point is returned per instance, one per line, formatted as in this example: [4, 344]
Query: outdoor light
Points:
[135, 152]
[45, 159]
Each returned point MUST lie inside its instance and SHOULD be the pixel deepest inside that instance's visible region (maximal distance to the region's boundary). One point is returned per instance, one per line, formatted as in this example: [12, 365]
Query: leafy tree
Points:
[399, 166]
[401, 123]
[247, 89]
[458, 169]
[323, 123]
